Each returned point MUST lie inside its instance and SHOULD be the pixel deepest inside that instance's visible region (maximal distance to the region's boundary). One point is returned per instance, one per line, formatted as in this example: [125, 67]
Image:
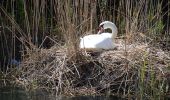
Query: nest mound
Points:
[115, 71]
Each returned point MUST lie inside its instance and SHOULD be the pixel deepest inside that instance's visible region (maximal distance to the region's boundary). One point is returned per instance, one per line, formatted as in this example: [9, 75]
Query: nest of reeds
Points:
[112, 71]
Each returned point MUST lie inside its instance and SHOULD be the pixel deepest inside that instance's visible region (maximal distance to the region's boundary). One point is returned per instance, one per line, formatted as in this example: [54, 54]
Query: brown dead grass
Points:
[114, 70]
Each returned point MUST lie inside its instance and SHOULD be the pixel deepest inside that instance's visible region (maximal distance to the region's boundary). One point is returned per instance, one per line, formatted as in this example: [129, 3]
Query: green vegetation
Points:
[44, 36]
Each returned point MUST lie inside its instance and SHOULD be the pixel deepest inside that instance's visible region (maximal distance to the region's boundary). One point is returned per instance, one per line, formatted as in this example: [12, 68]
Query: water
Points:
[8, 93]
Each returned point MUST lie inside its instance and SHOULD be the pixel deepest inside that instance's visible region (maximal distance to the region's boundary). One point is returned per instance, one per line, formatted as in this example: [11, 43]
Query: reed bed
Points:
[45, 34]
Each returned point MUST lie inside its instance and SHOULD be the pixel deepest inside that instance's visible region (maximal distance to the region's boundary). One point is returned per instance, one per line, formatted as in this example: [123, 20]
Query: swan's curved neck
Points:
[114, 31]
[107, 24]
[113, 28]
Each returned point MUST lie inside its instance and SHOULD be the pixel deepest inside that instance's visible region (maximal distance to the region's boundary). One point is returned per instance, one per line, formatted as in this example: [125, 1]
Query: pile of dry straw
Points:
[113, 71]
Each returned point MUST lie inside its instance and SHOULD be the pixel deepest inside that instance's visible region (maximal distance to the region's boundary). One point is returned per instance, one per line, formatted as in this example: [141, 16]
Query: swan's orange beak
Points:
[100, 29]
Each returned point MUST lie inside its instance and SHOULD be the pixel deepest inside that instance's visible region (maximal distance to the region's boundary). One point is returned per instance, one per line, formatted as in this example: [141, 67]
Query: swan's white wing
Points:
[89, 41]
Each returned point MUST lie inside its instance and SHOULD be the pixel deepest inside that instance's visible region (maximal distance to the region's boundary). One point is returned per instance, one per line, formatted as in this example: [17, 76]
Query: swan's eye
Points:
[100, 29]
[101, 26]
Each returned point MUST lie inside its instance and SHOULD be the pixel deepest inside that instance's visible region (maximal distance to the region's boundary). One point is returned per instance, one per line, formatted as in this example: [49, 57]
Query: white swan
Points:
[101, 40]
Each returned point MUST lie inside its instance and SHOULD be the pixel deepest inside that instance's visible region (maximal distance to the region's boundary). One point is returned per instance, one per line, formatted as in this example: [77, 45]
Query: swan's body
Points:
[100, 41]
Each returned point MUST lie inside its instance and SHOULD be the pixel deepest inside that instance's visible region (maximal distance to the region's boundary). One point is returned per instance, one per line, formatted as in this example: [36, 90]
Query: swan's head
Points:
[106, 25]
